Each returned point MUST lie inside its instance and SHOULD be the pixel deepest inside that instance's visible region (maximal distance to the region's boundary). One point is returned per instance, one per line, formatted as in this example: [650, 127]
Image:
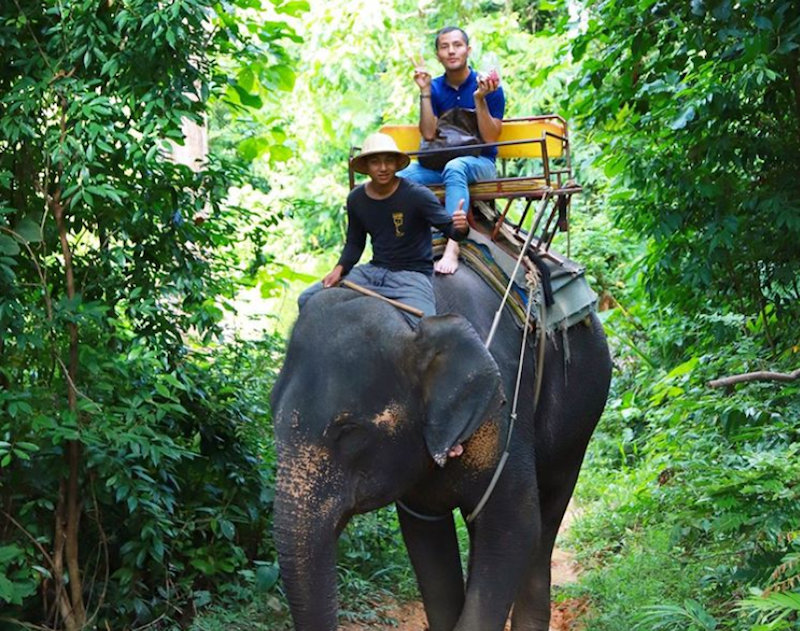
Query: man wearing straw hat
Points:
[397, 215]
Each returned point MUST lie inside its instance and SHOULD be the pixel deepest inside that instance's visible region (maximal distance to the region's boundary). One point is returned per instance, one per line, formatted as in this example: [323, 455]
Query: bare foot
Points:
[448, 264]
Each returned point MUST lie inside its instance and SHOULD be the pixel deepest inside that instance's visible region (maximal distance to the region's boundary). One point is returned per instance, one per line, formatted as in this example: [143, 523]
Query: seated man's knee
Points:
[454, 171]
[456, 165]
[414, 172]
[302, 299]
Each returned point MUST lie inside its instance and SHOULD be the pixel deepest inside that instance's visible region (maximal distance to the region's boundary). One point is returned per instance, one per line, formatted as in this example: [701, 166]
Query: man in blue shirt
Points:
[459, 86]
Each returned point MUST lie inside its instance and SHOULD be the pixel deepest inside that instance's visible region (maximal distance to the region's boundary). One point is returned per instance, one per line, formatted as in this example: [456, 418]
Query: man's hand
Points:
[421, 75]
[460, 218]
[333, 278]
[487, 83]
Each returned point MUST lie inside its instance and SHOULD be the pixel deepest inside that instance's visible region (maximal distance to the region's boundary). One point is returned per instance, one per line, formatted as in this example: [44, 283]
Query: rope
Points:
[533, 282]
[522, 252]
[414, 513]
[513, 417]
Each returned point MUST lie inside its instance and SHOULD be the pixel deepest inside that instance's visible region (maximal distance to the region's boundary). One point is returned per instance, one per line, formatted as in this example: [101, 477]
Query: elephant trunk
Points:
[306, 533]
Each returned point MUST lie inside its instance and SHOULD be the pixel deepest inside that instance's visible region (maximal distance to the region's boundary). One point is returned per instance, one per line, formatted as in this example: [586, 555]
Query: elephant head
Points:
[362, 407]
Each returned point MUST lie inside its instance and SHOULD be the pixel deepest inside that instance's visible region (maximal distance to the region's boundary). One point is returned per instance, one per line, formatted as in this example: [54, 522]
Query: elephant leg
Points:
[532, 604]
[502, 540]
[433, 549]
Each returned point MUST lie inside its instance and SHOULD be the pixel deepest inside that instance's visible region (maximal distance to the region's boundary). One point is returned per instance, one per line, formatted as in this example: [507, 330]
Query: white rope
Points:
[522, 252]
[414, 513]
[532, 283]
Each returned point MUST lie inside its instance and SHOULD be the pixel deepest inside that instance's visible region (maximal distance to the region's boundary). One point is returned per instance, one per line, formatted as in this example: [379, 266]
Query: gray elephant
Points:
[364, 408]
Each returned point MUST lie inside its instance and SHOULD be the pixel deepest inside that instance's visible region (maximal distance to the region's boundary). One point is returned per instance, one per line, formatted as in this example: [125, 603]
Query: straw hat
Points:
[378, 143]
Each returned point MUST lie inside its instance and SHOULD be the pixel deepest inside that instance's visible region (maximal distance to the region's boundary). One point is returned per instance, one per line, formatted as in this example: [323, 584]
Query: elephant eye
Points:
[340, 422]
[348, 437]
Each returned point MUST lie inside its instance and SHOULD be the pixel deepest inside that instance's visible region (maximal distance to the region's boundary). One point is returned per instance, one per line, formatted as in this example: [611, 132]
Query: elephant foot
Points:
[532, 624]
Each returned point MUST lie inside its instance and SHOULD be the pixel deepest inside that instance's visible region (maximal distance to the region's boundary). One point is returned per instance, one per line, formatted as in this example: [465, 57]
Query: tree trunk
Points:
[62, 599]
[68, 524]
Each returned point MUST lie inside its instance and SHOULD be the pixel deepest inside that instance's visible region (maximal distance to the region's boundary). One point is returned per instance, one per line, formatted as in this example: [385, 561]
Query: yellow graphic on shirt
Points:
[398, 224]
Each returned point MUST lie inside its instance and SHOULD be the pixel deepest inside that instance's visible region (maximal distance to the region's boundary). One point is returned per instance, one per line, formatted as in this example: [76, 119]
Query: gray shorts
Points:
[413, 288]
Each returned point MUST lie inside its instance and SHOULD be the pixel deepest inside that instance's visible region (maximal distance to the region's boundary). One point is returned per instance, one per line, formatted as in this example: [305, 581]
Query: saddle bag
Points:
[456, 128]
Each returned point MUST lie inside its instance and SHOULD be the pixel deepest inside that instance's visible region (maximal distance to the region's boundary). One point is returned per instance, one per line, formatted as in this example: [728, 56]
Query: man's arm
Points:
[455, 227]
[427, 119]
[489, 108]
[459, 227]
[352, 251]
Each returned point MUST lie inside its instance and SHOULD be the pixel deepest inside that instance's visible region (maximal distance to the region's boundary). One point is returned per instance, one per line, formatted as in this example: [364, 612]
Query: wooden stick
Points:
[394, 303]
[762, 375]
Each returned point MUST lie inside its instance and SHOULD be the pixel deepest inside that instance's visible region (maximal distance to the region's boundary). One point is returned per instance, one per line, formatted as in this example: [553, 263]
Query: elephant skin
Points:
[365, 408]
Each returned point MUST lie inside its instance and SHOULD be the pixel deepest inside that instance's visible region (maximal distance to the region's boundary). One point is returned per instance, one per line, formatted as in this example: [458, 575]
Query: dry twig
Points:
[761, 375]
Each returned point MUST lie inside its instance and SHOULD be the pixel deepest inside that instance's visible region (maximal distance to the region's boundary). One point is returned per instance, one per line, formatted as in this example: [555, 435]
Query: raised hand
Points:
[421, 75]
[460, 218]
[487, 83]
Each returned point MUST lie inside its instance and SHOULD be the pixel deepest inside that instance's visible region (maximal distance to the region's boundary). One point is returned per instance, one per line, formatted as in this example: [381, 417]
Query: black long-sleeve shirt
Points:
[399, 226]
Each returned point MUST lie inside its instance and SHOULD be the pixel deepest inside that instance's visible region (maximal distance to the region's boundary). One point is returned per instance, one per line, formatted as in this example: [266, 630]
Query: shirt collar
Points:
[468, 82]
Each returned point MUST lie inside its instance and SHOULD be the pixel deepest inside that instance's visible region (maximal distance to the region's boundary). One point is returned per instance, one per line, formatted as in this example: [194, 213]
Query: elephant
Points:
[365, 410]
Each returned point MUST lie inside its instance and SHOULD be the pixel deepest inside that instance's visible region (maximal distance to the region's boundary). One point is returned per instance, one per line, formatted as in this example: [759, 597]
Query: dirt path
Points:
[411, 616]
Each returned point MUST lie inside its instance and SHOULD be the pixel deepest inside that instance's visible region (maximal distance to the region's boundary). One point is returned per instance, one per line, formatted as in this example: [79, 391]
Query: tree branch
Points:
[48, 559]
[794, 78]
[47, 301]
[761, 375]
[33, 35]
[22, 623]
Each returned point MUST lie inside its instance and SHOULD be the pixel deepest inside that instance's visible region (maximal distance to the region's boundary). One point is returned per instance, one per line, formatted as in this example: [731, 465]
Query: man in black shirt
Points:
[397, 215]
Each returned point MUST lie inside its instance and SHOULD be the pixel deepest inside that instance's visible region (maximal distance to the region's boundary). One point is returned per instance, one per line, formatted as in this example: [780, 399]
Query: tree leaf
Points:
[8, 246]
[29, 230]
[293, 8]
[684, 118]
[764, 23]
[266, 577]
[227, 528]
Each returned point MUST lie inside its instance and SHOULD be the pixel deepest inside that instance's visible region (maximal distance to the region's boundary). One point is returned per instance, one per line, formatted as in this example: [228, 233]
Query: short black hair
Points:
[450, 29]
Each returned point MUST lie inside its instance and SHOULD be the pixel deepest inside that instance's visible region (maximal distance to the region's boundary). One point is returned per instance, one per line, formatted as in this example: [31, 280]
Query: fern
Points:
[773, 609]
[786, 576]
[675, 617]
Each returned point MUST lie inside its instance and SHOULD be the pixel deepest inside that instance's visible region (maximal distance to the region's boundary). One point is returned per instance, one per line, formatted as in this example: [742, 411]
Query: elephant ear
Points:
[461, 383]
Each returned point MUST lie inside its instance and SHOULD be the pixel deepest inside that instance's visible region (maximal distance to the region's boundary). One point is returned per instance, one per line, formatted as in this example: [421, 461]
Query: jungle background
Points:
[144, 303]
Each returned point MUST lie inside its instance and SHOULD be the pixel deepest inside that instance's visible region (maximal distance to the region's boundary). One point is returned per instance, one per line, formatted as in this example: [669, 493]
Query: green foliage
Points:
[640, 568]
[690, 616]
[355, 74]
[696, 106]
[373, 559]
[775, 610]
[18, 580]
[121, 421]
[715, 470]
[178, 491]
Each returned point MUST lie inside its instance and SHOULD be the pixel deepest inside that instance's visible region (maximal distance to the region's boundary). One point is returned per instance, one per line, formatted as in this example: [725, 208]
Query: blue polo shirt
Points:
[445, 97]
